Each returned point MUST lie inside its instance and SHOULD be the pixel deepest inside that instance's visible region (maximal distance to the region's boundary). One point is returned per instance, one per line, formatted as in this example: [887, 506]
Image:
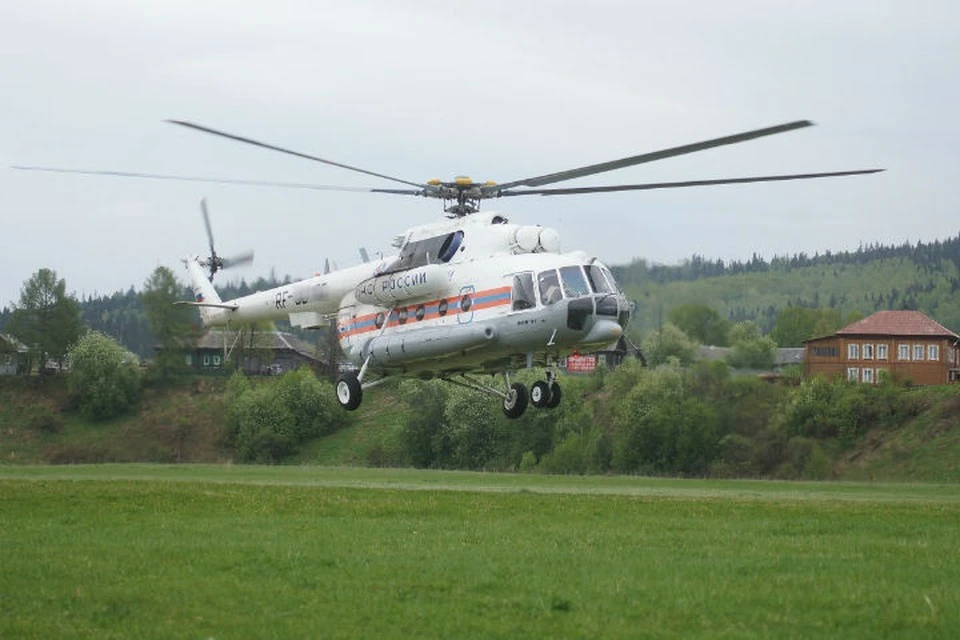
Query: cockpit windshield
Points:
[549, 286]
[597, 280]
[574, 284]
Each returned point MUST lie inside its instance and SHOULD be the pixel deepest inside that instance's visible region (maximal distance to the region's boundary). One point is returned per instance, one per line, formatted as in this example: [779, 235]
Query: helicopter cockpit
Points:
[588, 289]
[418, 253]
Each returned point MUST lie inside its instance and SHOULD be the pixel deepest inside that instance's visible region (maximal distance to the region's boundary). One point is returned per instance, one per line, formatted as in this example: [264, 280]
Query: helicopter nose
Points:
[603, 331]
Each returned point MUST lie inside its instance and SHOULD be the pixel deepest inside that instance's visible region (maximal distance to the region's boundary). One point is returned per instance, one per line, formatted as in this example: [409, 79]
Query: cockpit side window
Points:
[523, 292]
[597, 280]
[574, 284]
[611, 279]
[549, 285]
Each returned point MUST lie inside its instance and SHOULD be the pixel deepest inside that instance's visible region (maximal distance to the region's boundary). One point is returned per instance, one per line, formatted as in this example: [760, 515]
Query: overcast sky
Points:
[497, 90]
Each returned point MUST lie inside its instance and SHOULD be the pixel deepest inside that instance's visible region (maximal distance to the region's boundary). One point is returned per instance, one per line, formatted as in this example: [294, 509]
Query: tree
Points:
[702, 323]
[796, 324]
[46, 319]
[751, 349]
[668, 342]
[169, 323]
[104, 377]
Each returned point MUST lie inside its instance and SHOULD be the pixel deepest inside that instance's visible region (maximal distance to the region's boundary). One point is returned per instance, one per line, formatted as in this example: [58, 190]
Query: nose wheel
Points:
[545, 394]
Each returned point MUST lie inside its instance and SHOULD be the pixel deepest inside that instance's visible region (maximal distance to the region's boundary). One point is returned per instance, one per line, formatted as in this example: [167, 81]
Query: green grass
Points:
[356, 443]
[250, 552]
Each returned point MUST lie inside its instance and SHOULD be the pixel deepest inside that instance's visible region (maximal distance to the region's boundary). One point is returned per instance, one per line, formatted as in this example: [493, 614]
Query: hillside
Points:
[184, 423]
[925, 277]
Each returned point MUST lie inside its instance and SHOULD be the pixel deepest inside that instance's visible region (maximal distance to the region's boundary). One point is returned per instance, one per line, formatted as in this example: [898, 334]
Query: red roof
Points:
[897, 323]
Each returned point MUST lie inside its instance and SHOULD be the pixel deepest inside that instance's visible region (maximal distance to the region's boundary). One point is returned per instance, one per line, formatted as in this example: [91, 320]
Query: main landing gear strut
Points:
[543, 394]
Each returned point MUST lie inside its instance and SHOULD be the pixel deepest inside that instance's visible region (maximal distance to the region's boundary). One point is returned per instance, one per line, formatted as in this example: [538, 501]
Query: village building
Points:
[14, 356]
[262, 352]
[904, 344]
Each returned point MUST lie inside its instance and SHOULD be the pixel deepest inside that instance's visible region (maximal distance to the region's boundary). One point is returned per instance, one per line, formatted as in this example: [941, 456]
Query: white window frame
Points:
[903, 352]
[881, 371]
[206, 359]
[933, 352]
[881, 352]
[853, 374]
[853, 351]
[868, 376]
[918, 352]
[867, 352]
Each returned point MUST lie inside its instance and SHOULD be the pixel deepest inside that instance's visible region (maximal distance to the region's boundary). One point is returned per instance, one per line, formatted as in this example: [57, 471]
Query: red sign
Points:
[581, 364]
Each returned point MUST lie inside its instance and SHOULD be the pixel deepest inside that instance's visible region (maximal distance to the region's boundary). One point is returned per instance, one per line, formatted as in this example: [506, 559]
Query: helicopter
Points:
[467, 296]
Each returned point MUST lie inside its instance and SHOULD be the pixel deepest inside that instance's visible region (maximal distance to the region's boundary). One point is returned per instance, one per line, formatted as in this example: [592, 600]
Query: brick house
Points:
[906, 344]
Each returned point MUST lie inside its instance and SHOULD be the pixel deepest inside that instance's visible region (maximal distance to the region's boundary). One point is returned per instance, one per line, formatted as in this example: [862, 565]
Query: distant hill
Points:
[922, 276]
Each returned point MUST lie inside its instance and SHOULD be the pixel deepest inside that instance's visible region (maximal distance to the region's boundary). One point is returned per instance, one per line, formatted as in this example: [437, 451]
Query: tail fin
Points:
[205, 297]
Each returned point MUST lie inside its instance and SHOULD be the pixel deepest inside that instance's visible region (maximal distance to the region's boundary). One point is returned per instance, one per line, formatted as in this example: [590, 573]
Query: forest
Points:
[921, 276]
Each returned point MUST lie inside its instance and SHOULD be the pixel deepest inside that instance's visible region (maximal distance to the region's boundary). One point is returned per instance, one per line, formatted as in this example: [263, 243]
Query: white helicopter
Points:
[469, 295]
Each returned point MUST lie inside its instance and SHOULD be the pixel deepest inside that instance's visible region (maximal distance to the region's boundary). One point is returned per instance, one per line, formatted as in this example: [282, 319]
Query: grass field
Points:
[306, 552]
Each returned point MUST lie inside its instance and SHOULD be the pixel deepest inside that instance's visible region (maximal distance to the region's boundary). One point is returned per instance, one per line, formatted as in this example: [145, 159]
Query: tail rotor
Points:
[215, 262]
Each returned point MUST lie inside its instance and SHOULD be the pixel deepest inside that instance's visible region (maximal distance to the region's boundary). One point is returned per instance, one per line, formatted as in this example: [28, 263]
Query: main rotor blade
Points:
[590, 170]
[238, 260]
[161, 176]
[256, 143]
[687, 183]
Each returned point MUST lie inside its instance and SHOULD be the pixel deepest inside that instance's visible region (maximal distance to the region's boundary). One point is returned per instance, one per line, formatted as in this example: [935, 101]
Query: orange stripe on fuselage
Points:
[487, 299]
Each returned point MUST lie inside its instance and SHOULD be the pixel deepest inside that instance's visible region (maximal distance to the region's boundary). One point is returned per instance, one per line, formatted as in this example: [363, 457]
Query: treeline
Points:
[122, 316]
[924, 277]
[927, 256]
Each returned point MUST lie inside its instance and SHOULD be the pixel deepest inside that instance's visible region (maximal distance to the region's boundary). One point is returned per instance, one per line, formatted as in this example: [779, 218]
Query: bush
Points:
[806, 459]
[267, 422]
[421, 438]
[580, 453]
[661, 428]
[104, 377]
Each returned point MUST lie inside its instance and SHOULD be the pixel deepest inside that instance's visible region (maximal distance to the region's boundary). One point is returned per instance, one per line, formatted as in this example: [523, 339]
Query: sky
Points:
[498, 90]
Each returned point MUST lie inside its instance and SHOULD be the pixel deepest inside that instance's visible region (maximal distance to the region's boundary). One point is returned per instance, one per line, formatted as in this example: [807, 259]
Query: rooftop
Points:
[897, 323]
[267, 340]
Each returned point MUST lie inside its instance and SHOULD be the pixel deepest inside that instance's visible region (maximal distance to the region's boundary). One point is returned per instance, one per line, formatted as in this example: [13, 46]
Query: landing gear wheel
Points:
[540, 394]
[349, 391]
[516, 401]
[555, 395]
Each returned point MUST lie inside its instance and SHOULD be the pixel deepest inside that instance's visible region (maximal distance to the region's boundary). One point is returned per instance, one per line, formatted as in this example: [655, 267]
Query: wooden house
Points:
[262, 352]
[905, 344]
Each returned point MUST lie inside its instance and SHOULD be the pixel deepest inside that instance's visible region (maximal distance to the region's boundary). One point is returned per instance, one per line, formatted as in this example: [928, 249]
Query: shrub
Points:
[104, 377]
[266, 422]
